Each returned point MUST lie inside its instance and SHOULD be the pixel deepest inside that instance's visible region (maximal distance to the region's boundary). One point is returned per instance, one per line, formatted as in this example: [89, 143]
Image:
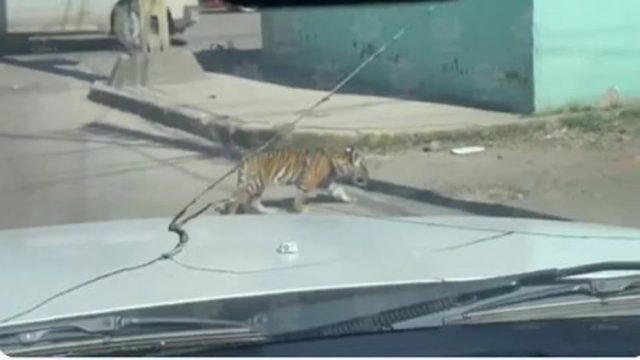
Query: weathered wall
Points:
[583, 47]
[472, 52]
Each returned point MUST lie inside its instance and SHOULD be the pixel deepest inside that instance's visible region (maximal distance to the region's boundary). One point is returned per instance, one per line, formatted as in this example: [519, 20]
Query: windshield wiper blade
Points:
[600, 288]
[497, 288]
[102, 326]
[560, 273]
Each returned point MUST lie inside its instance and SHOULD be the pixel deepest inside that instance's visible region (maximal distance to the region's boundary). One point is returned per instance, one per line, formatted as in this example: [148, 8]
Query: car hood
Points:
[238, 256]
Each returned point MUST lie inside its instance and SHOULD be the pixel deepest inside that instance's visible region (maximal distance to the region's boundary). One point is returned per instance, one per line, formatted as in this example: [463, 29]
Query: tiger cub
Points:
[308, 170]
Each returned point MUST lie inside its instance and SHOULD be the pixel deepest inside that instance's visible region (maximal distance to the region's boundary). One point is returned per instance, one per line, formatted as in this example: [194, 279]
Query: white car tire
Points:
[127, 25]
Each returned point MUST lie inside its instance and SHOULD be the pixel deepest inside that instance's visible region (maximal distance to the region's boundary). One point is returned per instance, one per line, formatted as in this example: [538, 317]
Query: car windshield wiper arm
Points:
[544, 276]
[600, 288]
[110, 326]
[597, 288]
[493, 289]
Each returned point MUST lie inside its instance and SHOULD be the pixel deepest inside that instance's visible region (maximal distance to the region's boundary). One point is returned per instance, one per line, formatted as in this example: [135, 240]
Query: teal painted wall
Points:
[514, 55]
[473, 52]
[584, 47]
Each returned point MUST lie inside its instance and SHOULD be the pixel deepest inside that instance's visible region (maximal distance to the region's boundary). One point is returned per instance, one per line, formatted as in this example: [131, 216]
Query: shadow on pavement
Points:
[426, 196]
[67, 138]
[106, 172]
[123, 133]
[63, 67]
[253, 65]
[54, 54]
[472, 207]
[377, 186]
[149, 163]
[430, 197]
[24, 46]
[285, 205]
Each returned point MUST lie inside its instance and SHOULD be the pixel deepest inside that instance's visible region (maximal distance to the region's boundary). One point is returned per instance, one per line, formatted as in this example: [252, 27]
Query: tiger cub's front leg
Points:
[305, 190]
[238, 200]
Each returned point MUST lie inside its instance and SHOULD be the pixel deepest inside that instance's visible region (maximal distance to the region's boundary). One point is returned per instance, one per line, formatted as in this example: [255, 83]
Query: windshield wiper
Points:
[595, 288]
[558, 283]
[109, 327]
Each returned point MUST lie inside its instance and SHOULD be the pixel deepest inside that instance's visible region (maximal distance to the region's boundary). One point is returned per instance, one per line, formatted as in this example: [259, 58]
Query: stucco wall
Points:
[514, 55]
[470, 52]
[584, 47]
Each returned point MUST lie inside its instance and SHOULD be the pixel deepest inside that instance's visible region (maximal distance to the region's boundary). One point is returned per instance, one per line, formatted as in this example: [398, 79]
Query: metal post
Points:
[151, 60]
[154, 25]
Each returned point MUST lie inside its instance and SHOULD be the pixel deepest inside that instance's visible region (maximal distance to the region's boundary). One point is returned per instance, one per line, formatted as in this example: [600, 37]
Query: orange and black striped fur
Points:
[308, 170]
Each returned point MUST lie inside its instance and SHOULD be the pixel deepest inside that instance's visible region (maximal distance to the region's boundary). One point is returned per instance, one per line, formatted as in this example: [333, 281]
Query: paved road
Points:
[66, 159]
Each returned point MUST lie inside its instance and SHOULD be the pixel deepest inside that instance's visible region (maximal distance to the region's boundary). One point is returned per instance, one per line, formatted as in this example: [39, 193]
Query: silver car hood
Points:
[238, 256]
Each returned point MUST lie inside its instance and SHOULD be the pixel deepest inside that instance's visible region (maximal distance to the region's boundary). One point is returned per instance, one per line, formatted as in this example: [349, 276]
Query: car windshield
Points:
[514, 124]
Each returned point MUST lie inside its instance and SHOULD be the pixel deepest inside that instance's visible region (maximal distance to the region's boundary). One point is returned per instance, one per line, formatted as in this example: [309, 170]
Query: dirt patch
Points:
[595, 184]
[590, 129]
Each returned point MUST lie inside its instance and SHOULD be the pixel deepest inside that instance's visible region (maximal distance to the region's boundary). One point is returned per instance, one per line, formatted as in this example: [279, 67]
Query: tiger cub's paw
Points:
[304, 210]
[269, 210]
[339, 194]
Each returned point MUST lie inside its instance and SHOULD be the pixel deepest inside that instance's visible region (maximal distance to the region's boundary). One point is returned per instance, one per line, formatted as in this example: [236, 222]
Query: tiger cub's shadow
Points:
[285, 205]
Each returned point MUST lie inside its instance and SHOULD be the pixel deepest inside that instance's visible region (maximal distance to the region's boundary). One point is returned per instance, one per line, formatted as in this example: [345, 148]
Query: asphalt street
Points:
[66, 160]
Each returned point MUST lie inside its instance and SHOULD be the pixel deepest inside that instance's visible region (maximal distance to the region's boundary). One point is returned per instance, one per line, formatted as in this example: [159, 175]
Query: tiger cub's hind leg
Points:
[239, 200]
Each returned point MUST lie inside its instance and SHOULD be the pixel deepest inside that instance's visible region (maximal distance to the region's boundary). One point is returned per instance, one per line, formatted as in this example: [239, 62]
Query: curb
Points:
[205, 124]
[241, 135]
[141, 102]
[229, 131]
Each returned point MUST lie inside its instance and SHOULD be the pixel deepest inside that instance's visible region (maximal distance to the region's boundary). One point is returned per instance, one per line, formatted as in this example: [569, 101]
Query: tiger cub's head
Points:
[351, 164]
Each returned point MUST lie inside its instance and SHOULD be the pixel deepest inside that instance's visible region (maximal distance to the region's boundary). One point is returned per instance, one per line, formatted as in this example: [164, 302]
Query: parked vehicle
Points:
[313, 285]
[222, 5]
[42, 17]
[212, 4]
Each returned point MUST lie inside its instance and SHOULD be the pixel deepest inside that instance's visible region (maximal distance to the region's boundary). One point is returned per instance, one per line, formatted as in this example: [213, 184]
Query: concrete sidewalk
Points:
[246, 112]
